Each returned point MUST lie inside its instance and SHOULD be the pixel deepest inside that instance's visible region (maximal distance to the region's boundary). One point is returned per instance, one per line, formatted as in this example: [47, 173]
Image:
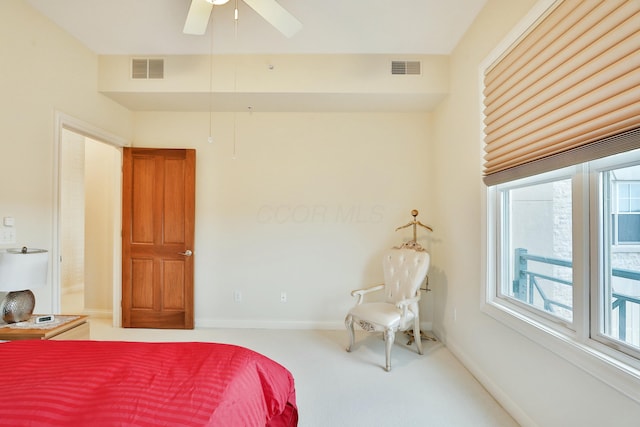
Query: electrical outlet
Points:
[7, 235]
[455, 314]
[283, 296]
[237, 296]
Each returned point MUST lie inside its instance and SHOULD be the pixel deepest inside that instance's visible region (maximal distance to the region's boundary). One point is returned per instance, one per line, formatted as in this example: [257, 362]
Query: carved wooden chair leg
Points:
[389, 337]
[416, 334]
[348, 321]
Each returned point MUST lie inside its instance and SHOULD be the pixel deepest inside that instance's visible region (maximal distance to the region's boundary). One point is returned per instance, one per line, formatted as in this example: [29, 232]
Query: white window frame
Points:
[617, 214]
[503, 266]
[600, 357]
[598, 238]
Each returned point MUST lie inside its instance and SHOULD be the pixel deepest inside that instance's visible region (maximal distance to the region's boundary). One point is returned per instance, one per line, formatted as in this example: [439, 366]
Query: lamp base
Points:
[17, 306]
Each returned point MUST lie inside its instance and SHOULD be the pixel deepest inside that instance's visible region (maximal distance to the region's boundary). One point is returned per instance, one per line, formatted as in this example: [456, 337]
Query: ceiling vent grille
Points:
[146, 68]
[405, 67]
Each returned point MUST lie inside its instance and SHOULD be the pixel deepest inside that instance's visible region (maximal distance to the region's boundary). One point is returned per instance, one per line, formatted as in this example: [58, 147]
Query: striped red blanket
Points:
[113, 383]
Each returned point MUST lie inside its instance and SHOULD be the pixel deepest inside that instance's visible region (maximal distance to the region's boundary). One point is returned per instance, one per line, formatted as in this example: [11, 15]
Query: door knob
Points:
[186, 253]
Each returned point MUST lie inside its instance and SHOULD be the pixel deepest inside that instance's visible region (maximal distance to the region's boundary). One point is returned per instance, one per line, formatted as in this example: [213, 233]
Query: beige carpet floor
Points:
[335, 388]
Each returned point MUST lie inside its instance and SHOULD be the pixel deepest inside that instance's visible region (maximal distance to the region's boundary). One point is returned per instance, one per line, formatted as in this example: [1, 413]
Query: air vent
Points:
[146, 68]
[405, 67]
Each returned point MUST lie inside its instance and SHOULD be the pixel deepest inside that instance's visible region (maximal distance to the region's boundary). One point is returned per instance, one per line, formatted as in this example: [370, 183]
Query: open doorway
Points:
[87, 205]
[86, 280]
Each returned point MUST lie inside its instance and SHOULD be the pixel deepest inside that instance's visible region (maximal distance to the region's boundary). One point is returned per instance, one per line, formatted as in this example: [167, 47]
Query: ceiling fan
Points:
[270, 10]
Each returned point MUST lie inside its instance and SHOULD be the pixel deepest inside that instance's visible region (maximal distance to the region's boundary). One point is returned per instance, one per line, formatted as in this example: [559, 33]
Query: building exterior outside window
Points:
[626, 214]
[583, 218]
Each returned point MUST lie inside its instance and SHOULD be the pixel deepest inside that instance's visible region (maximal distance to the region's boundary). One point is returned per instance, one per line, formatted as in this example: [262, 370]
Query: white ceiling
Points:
[154, 27]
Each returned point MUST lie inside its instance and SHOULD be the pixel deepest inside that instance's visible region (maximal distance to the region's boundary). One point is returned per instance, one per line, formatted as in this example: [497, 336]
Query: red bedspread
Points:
[107, 383]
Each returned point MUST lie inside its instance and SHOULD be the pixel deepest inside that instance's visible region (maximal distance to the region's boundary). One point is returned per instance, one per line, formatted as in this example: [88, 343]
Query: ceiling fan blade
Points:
[276, 15]
[198, 17]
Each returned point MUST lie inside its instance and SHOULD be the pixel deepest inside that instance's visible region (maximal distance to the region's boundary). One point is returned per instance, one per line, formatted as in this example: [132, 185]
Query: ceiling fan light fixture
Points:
[200, 12]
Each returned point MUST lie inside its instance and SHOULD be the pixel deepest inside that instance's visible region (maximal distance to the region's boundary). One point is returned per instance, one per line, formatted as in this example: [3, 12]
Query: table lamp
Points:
[20, 271]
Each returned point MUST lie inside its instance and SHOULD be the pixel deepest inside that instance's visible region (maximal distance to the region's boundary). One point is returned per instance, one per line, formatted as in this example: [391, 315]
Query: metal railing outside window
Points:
[528, 287]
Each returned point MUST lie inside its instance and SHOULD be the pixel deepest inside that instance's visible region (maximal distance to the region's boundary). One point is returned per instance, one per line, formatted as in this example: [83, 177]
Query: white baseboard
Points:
[426, 326]
[97, 313]
[255, 323]
[266, 324]
[501, 397]
[280, 324]
[72, 289]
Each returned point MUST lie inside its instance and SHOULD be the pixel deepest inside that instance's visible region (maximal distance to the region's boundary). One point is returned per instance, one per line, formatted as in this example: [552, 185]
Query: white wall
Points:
[103, 162]
[306, 207]
[535, 385]
[72, 201]
[42, 70]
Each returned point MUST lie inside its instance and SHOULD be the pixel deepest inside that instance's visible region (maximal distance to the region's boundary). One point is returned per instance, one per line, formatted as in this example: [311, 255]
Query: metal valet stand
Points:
[413, 244]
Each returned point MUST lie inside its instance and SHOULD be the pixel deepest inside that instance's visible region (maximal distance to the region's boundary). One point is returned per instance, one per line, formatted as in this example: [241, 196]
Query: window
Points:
[562, 134]
[567, 255]
[537, 249]
[625, 224]
[618, 315]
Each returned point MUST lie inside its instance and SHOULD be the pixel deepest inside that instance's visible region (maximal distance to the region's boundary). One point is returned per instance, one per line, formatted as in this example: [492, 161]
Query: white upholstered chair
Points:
[405, 269]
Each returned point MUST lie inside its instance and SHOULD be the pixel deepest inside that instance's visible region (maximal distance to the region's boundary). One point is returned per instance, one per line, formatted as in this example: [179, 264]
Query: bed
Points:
[117, 383]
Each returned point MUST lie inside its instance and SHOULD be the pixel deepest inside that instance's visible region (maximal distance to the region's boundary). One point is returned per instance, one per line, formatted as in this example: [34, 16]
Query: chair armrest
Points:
[360, 293]
[405, 303]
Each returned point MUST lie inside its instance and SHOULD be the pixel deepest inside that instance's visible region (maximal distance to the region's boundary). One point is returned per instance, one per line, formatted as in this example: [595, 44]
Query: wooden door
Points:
[157, 238]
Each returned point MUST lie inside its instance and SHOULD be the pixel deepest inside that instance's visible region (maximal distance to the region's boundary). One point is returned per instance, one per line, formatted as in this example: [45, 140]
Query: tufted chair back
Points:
[404, 271]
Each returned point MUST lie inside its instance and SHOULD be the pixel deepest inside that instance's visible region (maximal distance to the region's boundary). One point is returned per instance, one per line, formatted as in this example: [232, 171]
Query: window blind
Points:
[572, 80]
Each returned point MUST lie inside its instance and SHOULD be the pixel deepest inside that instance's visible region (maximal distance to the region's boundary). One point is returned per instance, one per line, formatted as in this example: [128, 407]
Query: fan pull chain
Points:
[210, 139]
[235, 78]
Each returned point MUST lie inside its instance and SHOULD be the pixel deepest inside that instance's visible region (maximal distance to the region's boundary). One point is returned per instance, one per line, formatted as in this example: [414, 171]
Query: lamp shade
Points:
[22, 269]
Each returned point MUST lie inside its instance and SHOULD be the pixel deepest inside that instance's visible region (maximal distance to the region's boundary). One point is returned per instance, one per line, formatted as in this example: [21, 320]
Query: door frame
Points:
[64, 121]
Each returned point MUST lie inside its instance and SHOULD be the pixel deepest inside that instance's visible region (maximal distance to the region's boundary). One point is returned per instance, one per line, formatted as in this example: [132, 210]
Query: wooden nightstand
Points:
[63, 328]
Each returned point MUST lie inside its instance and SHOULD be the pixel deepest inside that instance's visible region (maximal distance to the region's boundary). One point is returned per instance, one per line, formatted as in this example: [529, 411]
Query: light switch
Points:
[9, 221]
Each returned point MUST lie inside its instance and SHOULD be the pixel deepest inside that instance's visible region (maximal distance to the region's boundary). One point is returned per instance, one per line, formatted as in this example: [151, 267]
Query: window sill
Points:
[626, 248]
[622, 373]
